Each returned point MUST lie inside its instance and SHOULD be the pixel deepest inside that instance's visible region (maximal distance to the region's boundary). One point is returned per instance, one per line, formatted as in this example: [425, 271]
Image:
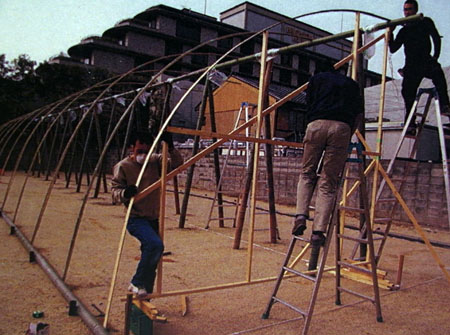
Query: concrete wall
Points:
[112, 61]
[423, 191]
[145, 44]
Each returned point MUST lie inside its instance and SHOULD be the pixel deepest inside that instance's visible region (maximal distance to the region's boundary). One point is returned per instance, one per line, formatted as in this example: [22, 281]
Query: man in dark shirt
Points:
[419, 64]
[335, 108]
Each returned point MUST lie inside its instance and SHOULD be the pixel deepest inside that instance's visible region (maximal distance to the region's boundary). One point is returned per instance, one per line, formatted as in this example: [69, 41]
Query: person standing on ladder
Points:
[335, 107]
[143, 222]
[419, 64]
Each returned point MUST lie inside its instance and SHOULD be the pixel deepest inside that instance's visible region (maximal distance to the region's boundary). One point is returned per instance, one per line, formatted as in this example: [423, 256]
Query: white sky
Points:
[44, 28]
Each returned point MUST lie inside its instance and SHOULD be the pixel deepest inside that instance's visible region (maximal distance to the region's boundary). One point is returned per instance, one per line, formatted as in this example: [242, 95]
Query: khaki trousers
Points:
[330, 138]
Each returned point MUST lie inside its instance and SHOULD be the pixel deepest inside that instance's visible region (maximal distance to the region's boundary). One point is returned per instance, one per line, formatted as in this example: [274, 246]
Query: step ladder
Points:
[243, 116]
[432, 94]
[315, 275]
[368, 265]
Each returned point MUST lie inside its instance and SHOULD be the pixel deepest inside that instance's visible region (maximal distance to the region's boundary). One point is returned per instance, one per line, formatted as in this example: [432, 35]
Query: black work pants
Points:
[413, 75]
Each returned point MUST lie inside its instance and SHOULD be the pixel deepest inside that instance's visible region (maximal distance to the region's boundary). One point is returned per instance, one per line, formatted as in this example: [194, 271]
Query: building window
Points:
[152, 24]
[246, 68]
[226, 43]
[303, 63]
[248, 48]
[188, 31]
[173, 48]
[286, 60]
[285, 76]
[200, 59]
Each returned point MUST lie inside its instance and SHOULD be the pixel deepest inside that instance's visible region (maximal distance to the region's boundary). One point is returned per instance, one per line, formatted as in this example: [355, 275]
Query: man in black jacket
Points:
[419, 64]
[335, 108]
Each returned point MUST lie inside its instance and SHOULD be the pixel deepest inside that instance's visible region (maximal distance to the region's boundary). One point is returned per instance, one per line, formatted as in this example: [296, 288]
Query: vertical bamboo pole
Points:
[165, 112]
[256, 155]
[244, 199]
[190, 174]
[354, 72]
[269, 157]
[44, 153]
[176, 195]
[379, 141]
[212, 118]
[72, 156]
[52, 148]
[356, 39]
[162, 212]
[85, 149]
[127, 134]
[101, 175]
[66, 126]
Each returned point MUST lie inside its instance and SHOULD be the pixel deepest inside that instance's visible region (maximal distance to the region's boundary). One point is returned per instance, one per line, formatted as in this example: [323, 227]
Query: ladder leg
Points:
[312, 302]
[373, 265]
[266, 313]
[444, 156]
[338, 266]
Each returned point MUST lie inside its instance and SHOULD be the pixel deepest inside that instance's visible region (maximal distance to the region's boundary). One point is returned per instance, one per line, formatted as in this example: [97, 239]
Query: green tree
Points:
[4, 66]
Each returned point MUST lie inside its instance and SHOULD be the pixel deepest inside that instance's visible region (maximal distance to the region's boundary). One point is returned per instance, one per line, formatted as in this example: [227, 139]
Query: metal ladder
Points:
[315, 276]
[243, 116]
[367, 266]
[432, 94]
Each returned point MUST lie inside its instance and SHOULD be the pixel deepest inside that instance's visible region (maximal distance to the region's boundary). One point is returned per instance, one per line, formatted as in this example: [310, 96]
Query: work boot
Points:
[318, 239]
[445, 110]
[412, 129]
[299, 224]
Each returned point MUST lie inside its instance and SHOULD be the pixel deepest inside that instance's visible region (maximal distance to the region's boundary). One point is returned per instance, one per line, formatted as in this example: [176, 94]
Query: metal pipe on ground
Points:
[90, 321]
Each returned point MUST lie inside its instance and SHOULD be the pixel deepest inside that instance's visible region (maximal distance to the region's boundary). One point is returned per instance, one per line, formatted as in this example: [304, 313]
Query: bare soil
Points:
[200, 258]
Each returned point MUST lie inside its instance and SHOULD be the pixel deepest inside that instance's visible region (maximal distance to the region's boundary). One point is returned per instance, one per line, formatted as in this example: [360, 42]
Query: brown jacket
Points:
[126, 173]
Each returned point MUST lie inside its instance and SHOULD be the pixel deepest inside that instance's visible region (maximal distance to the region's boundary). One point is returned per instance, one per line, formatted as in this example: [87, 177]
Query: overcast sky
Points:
[44, 28]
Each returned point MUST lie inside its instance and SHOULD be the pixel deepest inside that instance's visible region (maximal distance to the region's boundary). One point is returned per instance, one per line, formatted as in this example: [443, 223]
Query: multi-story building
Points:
[155, 35]
[162, 31]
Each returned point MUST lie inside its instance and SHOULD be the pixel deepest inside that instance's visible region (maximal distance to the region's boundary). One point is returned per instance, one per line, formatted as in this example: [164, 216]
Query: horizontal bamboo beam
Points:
[209, 134]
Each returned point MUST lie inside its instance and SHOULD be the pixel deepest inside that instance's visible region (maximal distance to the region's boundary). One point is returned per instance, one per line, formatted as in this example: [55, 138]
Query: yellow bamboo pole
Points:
[356, 38]
[409, 214]
[379, 139]
[415, 222]
[354, 58]
[162, 212]
[256, 153]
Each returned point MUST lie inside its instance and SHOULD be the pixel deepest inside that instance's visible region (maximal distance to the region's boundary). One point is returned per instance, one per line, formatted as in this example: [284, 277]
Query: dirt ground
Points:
[200, 258]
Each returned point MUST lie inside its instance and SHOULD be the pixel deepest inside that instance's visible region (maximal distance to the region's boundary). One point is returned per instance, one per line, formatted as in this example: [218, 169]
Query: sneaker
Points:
[299, 225]
[139, 291]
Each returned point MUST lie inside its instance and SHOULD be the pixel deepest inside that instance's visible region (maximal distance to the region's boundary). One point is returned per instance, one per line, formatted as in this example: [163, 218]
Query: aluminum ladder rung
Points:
[300, 274]
[355, 267]
[298, 310]
[343, 289]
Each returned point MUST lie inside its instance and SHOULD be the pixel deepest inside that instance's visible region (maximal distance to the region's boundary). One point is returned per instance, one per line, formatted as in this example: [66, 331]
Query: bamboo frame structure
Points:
[9, 129]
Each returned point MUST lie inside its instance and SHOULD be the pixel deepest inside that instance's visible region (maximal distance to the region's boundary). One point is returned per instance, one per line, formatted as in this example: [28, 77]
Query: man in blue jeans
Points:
[143, 222]
[334, 110]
